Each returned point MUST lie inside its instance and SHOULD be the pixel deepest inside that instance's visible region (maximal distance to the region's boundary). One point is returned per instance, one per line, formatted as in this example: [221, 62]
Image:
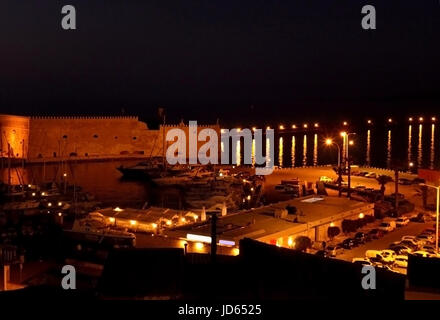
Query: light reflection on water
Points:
[101, 179]
[315, 150]
[305, 151]
[368, 154]
[409, 145]
[432, 148]
[293, 150]
[420, 147]
[280, 153]
[389, 149]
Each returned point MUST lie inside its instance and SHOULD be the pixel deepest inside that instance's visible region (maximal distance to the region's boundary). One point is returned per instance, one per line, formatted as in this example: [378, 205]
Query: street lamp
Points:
[330, 142]
[436, 212]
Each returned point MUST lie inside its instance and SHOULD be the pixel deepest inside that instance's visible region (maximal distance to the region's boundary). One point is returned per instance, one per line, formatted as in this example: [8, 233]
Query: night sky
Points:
[240, 61]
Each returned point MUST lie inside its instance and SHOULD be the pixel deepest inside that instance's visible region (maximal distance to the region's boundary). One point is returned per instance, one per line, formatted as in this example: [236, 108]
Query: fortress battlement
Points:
[135, 118]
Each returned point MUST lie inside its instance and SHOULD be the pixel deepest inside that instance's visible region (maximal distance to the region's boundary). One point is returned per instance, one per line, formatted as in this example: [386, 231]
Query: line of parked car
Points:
[396, 256]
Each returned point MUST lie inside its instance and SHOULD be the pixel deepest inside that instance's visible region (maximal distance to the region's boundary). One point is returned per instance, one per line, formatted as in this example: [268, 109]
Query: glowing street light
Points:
[421, 119]
[433, 119]
[330, 142]
[316, 125]
[351, 143]
[345, 123]
[305, 125]
[281, 127]
[369, 121]
[390, 120]
[410, 119]
[293, 126]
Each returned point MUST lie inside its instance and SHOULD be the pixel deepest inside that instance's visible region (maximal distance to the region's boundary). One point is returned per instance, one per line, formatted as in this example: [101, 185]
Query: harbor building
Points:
[274, 224]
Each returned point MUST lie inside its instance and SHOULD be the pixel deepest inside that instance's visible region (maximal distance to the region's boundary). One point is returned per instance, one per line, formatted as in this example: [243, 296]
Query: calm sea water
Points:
[379, 147]
[101, 179]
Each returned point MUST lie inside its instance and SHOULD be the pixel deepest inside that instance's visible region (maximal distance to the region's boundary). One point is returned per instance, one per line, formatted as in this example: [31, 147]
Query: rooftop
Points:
[312, 211]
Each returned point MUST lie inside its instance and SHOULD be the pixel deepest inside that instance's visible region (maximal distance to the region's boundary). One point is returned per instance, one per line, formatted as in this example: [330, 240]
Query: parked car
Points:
[361, 261]
[387, 226]
[383, 256]
[412, 238]
[321, 253]
[325, 179]
[419, 218]
[371, 175]
[388, 255]
[360, 188]
[425, 239]
[422, 254]
[334, 250]
[402, 221]
[375, 233]
[348, 244]
[401, 261]
[418, 180]
[410, 244]
[429, 231]
[362, 237]
[400, 249]
[428, 248]
[404, 181]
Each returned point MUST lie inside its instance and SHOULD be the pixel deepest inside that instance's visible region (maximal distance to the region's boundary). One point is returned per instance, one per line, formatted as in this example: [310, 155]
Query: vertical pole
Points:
[349, 180]
[213, 237]
[6, 277]
[436, 225]
[9, 166]
[396, 189]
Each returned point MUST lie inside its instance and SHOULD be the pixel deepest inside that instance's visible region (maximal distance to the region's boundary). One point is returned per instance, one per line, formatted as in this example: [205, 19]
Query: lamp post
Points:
[330, 142]
[345, 137]
[437, 207]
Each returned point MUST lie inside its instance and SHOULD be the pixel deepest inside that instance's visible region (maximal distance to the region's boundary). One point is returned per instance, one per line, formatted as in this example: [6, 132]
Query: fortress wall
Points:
[48, 138]
[94, 137]
[15, 132]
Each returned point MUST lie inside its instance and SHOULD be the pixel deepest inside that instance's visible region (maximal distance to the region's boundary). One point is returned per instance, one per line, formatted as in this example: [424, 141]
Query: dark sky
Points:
[209, 59]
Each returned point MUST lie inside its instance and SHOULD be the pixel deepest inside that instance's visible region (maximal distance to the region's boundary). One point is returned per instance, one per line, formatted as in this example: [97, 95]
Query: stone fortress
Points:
[40, 139]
